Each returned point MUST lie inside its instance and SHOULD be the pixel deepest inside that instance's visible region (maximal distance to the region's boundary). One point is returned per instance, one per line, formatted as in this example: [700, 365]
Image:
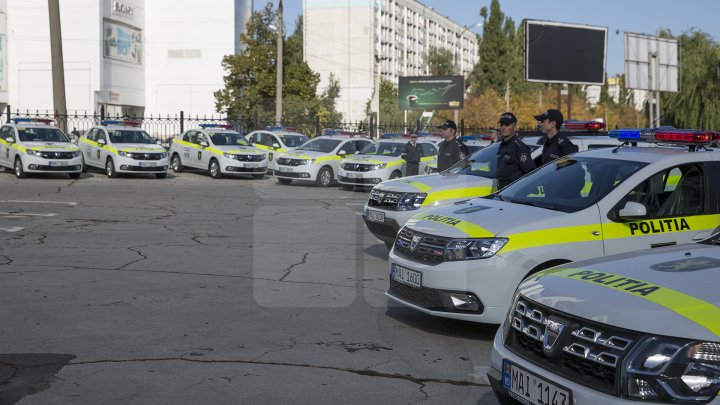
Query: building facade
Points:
[361, 41]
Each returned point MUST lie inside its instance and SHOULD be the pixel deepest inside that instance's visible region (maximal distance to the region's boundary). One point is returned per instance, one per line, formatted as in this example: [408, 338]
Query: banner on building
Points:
[431, 92]
[122, 42]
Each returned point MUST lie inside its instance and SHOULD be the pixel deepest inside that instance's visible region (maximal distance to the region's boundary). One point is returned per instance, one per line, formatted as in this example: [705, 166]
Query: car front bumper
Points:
[35, 164]
[127, 165]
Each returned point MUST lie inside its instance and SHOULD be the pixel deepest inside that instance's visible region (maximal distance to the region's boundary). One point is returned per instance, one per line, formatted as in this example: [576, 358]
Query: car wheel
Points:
[19, 171]
[215, 169]
[176, 163]
[110, 169]
[74, 175]
[258, 176]
[84, 166]
[324, 177]
[160, 175]
[395, 175]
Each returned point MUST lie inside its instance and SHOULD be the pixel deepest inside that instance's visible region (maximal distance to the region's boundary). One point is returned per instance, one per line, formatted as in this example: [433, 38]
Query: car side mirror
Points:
[276, 145]
[101, 141]
[632, 210]
[204, 143]
[159, 142]
[342, 153]
[10, 139]
[357, 152]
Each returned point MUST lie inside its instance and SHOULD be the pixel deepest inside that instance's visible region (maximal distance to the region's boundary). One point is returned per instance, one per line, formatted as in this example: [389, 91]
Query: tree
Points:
[328, 99]
[491, 71]
[440, 61]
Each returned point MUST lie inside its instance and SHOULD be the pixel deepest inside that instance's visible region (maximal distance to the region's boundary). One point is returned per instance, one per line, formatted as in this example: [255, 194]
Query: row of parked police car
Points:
[602, 266]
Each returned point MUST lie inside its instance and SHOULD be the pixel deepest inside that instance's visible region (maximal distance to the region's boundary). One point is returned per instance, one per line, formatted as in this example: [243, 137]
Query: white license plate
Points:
[285, 169]
[531, 389]
[56, 163]
[251, 165]
[147, 164]
[375, 216]
[354, 175]
[406, 276]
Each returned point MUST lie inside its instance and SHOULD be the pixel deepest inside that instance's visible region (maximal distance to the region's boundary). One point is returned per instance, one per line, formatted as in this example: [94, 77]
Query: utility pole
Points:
[58, 69]
[279, 83]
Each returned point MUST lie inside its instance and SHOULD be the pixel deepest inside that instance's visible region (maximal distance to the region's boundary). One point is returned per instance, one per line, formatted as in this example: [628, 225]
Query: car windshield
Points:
[293, 140]
[42, 135]
[129, 136]
[570, 184]
[228, 138]
[481, 163]
[321, 145]
[384, 148]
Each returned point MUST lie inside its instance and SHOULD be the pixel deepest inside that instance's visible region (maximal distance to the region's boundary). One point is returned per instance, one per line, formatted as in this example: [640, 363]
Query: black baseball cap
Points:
[448, 124]
[507, 118]
[552, 115]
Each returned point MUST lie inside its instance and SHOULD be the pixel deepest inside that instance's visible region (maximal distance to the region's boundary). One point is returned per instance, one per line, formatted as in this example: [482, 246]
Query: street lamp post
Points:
[279, 68]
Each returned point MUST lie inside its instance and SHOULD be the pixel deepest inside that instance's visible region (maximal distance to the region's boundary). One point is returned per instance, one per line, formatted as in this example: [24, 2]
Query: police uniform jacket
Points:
[412, 153]
[556, 147]
[513, 161]
[449, 153]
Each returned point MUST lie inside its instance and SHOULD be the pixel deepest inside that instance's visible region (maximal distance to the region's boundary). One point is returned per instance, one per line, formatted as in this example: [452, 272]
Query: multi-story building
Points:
[361, 41]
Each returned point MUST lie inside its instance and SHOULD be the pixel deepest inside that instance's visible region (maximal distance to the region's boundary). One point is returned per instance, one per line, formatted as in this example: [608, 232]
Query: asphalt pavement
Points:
[192, 290]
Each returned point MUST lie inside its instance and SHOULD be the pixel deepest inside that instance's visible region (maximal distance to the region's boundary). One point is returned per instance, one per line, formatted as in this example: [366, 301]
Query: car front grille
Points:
[587, 352]
[420, 247]
[422, 297]
[382, 198]
[249, 158]
[147, 156]
[358, 167]
[291, 162]
[57, 155]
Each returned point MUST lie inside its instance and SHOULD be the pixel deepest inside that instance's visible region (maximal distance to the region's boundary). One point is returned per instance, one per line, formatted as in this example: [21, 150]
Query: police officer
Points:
[412, 154]
[513, 158]
[555, 144]
[449, 150]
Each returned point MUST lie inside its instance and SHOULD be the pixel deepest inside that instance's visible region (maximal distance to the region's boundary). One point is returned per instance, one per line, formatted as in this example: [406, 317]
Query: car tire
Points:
[110, 169]
[84, 166]
[74, 175]
[284, 181]
[160, 175]
[389, 245]
[258, 176]
[395, 175]
[176, 163]
[19, 171]
[214, 169]
[324, 177]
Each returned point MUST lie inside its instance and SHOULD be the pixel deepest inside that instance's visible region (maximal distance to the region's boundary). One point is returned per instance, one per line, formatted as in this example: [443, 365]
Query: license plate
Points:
[354, 175]
[286, 169]
[406, 276]
[56, 163]
[252, 165]
[147, 164]
[375, 216]
[528, 388]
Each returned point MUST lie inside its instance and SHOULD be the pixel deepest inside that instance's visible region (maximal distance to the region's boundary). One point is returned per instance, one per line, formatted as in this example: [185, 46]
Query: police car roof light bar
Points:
[120, 123]
[215, 125]
[391, 135]
[689, 136]
[584, 125]
[40, 120]
[626, 134]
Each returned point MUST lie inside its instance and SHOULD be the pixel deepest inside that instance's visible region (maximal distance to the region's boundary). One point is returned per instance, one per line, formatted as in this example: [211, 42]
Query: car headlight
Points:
[33, 152]
[125, 154]
[76, 153]
[163, 155]
[380, 166]
[229, 155]
[412, 201]
[309, 161]
[471, 249]
[672, 370]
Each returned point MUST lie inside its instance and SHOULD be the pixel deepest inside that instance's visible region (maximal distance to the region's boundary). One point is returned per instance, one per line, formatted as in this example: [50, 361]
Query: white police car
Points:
[275, 141]
[117, 146]
[29, 145]
[639, 327]
[381, 161]
[318, 159]
[464, 260]
[219, 150]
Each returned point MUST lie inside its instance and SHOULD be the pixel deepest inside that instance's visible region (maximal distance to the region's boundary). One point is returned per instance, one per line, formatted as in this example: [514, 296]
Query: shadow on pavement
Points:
[25, 374]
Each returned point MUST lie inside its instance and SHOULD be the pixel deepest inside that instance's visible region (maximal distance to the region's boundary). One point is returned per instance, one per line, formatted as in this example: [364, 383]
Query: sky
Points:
[619, 16]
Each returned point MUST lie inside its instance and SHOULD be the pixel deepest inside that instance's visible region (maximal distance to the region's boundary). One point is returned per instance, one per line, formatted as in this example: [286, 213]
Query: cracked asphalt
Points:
[191, 290]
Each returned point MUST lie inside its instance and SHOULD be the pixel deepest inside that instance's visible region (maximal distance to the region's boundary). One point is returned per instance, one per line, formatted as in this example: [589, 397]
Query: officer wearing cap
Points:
[555, 144]
[412, 154]
[513, 157]
[449, 150]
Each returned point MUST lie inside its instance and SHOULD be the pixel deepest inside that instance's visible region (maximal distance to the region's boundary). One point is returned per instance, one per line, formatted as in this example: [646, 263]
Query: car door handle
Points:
[657, 245]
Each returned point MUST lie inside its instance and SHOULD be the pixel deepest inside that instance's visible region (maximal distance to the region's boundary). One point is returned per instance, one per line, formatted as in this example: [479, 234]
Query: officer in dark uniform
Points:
[449, 150]
[555, 144]
[513, 158]
[412, 154]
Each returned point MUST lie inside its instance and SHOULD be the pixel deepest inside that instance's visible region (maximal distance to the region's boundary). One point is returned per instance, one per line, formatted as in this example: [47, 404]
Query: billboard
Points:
[651, 63]
[564, 53]
[431, 92]
[122, 42]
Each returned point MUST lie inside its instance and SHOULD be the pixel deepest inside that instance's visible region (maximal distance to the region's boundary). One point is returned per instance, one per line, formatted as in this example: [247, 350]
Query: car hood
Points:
[441, 187]
[669, 291]
[307, 154]
[138, 147]
[51, 146]
[480, 218]
[239, 150]
[373, 159]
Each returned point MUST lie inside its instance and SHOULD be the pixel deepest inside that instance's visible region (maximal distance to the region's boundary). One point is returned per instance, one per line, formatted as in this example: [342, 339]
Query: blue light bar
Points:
[111, 122]
[18, 120]
[203, 126]
[327, 131]
[274, 128]
[626, 134]
[391, 135]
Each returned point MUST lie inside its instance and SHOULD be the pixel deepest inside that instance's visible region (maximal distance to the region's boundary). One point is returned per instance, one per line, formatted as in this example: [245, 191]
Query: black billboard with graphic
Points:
[431, 92]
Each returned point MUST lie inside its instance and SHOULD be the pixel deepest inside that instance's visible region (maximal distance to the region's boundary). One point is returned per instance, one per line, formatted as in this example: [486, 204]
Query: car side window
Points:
[272, 141]
[6, 132]
[348, 147]
[360, 145]
[264, 139]
[186, 137]
[428, 150]
[100, 134]
[91, 135]
[201, 138]
[675, 192]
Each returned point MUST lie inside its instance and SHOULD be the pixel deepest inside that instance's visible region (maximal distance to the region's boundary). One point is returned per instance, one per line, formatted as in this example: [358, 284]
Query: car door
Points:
[101, 147]
[429, 155]
[86, 147]
[202, 153]
[5, 132]
[187, 149]
[679, 209]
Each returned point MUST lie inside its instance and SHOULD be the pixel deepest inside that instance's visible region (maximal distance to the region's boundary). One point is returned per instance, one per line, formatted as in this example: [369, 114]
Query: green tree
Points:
[491, 71]
[440, 61]
[328, 100]
[696, 105]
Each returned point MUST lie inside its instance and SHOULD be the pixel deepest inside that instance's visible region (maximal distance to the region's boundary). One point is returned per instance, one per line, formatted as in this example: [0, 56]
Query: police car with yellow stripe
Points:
[641, 327]
[394, 202]
[29, 145]
[118, 146]
[464, 260]
[382, 161]
[319, 159]
[275, 141]
[218, 149]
